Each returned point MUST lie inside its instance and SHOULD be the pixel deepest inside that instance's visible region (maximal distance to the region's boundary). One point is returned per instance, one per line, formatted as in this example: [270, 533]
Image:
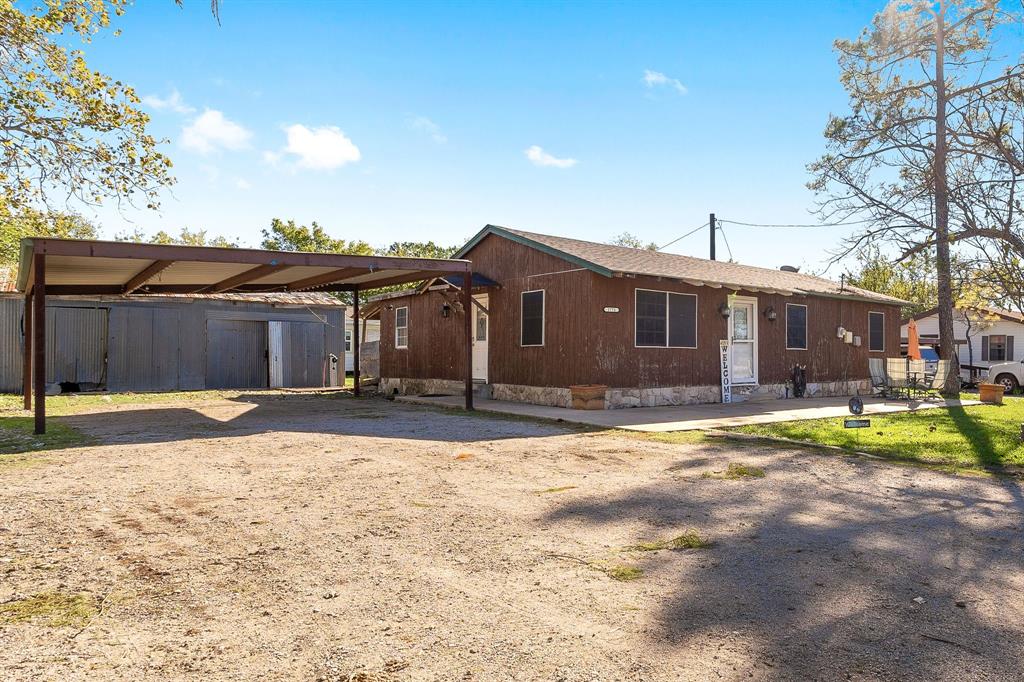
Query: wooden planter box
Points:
[991, 393]
[588, 396]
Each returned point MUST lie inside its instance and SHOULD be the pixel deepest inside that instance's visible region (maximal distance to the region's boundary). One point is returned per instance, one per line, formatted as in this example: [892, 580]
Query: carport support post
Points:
[39, 338]
[26, 356]
[467, 304]
[355, 341]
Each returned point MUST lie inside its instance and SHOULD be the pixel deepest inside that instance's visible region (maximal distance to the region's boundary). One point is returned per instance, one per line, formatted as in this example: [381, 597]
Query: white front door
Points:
[480, 332]
[743, 340]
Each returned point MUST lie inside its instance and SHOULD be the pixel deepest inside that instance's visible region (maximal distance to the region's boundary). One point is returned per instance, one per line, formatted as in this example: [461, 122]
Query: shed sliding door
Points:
[236, 354]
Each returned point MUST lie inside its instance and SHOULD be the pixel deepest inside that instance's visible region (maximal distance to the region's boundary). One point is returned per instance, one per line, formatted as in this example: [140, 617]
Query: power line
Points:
[853, 222]
[694, 230]
[725, 239]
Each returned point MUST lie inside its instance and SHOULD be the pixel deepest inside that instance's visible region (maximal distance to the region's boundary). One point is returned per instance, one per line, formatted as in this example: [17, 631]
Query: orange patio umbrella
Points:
[913, 342]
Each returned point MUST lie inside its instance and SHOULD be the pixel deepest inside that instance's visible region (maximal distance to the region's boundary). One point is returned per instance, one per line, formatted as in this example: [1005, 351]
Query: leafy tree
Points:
[66, 130]
[629, 240]
[419, 250]
[28, 222]
[186, 237]
[287, 236]
[917, 80]
[912, 279]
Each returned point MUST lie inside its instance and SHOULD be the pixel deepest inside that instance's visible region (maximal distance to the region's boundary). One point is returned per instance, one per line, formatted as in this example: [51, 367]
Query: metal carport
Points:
[69, 267]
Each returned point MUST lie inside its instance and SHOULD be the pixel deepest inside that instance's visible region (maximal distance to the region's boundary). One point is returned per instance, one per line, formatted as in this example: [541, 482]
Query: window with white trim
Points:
[876, 332]
[531, 318]
[348, 341]
[401, 327]
[796, 326]
[665, 319]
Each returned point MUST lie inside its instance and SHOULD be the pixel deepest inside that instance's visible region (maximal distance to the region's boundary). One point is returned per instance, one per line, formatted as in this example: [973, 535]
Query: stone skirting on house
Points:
[399, 386]
[616, 398]
[536, 395]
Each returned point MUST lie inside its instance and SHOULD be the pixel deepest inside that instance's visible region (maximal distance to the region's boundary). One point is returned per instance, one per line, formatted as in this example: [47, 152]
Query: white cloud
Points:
[425, 125]
[654, 79]
[211, 130]
[173, 102]
[242, 184]
[322, 148]
[539, 157]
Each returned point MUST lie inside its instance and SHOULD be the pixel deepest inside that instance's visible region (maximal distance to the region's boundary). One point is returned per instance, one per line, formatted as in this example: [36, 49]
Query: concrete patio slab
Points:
[694, 417]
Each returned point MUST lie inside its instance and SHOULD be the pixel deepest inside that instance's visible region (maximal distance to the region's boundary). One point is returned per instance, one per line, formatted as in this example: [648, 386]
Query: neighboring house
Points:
[180, 342]
[552, 312]
[983, 336]
[369, 332]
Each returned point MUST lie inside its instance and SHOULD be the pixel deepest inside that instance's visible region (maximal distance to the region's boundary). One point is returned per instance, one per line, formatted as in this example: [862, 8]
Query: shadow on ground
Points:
[339, 414]
[824, 586]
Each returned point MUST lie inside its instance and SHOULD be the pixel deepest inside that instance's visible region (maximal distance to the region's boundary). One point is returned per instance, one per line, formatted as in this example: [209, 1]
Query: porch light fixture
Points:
[724, 310]
[446, 309]
[770, 313]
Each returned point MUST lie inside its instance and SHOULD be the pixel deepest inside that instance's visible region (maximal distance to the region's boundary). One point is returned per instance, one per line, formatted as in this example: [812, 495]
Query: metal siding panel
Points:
[76, 345]
[11, 344]
[236, 354]
[165, 350]
[192, 348]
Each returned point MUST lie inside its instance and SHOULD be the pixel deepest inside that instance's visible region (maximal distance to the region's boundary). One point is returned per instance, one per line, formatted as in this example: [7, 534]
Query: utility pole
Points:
[711, 223]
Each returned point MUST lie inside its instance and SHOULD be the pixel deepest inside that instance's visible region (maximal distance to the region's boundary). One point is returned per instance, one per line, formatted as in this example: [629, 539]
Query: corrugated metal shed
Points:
[162, 343]
[11, 344]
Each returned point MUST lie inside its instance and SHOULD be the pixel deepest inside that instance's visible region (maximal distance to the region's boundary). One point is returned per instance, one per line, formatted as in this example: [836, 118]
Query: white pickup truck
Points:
[1009, 374]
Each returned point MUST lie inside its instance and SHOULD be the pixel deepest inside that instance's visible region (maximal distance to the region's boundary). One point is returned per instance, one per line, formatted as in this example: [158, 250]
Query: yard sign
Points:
[726, 372]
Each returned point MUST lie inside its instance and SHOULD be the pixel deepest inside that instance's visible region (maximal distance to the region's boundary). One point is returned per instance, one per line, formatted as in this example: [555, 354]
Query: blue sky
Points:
[415, 121]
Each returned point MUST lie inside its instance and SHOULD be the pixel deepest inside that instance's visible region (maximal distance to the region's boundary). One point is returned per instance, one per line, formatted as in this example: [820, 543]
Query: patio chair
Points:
[896, 370]
[917, 379]
[938, 382]
[879, 379]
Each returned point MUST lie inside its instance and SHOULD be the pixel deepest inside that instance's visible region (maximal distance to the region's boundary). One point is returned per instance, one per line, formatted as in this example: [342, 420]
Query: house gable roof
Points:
[610, 260]
[1008, 315]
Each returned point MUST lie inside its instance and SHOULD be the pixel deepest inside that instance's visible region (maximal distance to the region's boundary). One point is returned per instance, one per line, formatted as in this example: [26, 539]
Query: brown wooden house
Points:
[551, 312]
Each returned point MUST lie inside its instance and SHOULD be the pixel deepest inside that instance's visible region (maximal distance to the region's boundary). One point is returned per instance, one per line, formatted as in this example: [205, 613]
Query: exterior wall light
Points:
[771, 314]
[446, 310]
[724, 310]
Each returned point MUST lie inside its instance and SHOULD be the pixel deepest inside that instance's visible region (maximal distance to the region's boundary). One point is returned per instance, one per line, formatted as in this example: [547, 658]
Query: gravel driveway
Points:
[303, 537]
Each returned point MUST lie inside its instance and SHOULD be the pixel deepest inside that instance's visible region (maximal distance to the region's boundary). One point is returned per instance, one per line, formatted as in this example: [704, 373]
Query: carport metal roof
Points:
[68, 267]
[98, 267]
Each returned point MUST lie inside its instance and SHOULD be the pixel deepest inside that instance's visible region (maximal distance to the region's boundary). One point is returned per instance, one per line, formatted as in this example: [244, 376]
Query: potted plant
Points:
[991, 393]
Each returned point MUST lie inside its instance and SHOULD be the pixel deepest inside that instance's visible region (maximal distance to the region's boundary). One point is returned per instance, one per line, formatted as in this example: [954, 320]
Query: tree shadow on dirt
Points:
[818, 584]
[250, 414]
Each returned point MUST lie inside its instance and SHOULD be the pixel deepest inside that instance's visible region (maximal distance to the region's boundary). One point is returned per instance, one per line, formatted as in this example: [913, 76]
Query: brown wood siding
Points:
[583, 344]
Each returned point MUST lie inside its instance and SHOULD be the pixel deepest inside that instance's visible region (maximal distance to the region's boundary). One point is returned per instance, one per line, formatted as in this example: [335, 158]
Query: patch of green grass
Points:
[623, 572]
[557, 490]
[982, 437]
[71, 403]
[691, 539]
[674, 437]
[16, 436]
[736, 470]
[53, 609]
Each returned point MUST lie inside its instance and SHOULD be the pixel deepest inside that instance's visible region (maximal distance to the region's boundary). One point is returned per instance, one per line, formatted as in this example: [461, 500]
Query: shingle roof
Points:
[1009, 315]
[609, 260]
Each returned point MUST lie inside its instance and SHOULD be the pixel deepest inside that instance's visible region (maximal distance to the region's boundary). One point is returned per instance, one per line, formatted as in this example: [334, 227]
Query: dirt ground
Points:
[303, 537]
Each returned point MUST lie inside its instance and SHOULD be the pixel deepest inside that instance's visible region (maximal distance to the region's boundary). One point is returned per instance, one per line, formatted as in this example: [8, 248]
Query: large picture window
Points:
[876, 332]
[665, 319]
[401, 327]
[531, 321]
[997, 348]
[796, 326]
